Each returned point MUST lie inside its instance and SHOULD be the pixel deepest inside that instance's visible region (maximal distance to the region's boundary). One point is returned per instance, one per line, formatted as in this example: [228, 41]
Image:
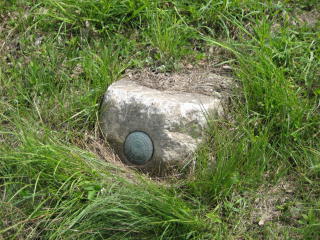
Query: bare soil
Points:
[192, 81]
[268, 198]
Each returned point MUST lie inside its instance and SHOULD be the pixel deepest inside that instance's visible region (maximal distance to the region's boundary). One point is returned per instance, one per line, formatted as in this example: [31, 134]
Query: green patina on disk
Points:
[138, 148]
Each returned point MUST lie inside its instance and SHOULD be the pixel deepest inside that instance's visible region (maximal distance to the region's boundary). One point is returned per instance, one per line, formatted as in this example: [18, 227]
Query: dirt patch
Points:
[9, 42]
[191, 81]
[310, 18]
[95, 143]
[267, 200]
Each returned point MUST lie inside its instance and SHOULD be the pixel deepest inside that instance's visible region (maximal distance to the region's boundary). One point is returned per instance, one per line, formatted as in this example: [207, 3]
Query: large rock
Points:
[173, 120]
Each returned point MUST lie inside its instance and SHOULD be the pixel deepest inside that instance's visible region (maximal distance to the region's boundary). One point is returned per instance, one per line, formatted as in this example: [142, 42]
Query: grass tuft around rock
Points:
[257, 174]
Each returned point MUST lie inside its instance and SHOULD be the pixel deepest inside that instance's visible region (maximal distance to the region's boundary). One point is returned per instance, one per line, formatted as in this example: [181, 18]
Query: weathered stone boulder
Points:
[151, 128]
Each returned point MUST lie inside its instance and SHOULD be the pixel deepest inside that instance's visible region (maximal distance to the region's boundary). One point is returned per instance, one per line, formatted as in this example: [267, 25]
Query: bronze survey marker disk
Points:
[138, 148]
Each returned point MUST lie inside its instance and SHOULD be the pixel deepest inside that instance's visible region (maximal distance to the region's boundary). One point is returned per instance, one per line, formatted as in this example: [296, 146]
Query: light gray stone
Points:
[175, 121]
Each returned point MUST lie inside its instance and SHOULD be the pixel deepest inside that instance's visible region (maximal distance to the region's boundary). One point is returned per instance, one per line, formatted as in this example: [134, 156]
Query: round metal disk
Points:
[138, 148]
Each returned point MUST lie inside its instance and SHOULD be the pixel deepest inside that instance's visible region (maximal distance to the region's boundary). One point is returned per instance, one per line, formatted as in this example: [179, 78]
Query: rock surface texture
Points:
[174, 120]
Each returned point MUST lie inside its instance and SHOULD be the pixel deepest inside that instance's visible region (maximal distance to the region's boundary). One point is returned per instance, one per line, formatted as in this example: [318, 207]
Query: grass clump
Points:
[256, 176]
[62, 192]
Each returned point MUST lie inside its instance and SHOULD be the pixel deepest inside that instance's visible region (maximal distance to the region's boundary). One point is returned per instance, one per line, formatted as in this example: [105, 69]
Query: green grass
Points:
[257, 174]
